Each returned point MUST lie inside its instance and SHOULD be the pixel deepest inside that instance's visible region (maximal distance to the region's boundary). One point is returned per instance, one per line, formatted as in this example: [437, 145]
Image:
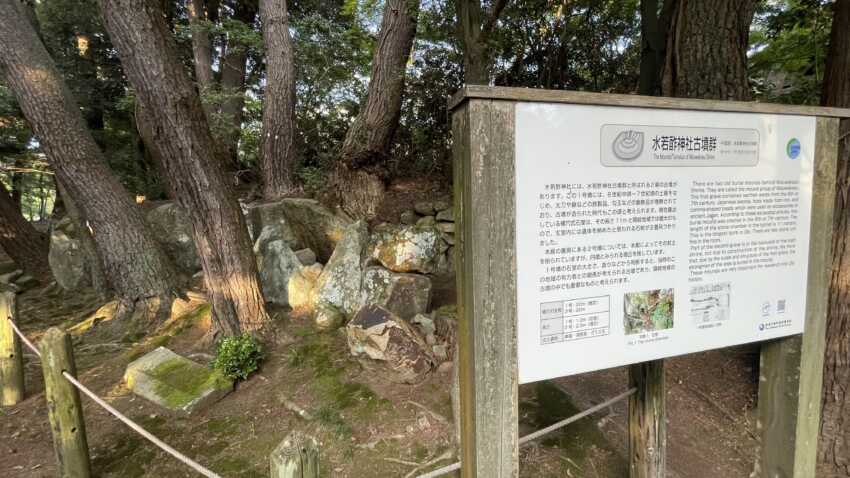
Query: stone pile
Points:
[439, 215]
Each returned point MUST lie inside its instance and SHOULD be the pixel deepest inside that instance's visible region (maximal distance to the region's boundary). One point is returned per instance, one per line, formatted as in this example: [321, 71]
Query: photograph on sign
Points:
[649, 233]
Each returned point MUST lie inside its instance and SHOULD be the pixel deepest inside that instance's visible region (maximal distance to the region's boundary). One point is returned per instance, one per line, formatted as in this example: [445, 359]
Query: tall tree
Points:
[233, 68]
[132, 261]
[705, 60]
[834, 442]
[361, 171]
[475, 37]
[201, 14]
[277, 143]
[21, 241]
[149, 55]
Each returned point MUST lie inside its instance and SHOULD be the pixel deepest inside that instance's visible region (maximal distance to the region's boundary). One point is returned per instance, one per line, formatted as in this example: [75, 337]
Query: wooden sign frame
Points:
[483, 121]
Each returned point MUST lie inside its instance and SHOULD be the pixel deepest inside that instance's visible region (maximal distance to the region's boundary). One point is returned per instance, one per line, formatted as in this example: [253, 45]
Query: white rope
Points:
[539, 433]
[23, 337]
[130, 423]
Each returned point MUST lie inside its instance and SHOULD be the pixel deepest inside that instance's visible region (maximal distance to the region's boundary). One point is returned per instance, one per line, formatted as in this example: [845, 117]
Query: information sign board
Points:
[649, 233]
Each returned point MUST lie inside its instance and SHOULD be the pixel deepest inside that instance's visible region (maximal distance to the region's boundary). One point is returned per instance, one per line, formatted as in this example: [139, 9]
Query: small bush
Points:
[237, 357]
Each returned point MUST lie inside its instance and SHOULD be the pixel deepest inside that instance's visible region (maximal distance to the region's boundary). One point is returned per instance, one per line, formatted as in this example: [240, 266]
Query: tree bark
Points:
[834, 441]
[132, 260]
[474, 38]
[361, 170]
[201, 43]
[149, 55]
[21, 241]
[277, 141]
[233, 82]
[707, 50]
[654, 29]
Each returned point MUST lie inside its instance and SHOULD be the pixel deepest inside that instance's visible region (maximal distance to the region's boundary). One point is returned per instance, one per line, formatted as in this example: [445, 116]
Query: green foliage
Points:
[788, 44]
[238, 357]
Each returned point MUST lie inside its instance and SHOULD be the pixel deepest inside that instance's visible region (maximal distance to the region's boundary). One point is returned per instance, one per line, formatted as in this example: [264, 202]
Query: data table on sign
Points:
[574, 319]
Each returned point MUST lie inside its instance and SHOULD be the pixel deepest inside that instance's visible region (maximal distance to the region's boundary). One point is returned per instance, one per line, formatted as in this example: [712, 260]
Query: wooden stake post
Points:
[63, 405]
[11, 358]
[484, 186]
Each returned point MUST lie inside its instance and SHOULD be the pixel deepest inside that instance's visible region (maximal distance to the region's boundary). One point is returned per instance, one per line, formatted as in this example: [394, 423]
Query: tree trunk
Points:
[707, 50]
[233, 82]
[21, 241]
[131, 258]
[474, 38]
[201, 43]
[654, 28]
[834, 441]
[149, 55]
[361, 170]
[277, 141]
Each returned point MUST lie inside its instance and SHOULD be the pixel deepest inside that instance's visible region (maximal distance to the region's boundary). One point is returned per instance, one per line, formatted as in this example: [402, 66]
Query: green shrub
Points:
[237, 357]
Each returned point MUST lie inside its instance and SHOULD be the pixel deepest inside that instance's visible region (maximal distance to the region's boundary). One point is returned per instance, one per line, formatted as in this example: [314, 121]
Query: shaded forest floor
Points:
[366, 427]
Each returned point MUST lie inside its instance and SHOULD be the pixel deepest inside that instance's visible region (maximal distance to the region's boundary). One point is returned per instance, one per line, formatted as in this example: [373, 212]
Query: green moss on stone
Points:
[180, 381]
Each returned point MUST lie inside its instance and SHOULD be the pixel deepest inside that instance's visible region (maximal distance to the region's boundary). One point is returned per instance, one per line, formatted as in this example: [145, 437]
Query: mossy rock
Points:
[175, 382]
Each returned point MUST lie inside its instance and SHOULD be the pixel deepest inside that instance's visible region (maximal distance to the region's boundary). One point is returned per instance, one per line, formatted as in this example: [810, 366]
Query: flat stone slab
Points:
[175, 382]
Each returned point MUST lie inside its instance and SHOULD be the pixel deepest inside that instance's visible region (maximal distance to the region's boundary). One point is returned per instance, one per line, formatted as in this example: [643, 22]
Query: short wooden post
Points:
[297, 456]
[11, 358]
[63, 405]
[647, 421]
[791, 374]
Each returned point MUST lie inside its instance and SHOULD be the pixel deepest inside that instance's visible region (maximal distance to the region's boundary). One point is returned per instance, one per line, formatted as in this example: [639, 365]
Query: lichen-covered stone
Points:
[328, 317]
[276, 263]
[302, 284]
[427, 221]
[172, 229]
[306, 256]
[68, 262]
[340, 283]
[313, 225]
[403, 294]
[274, 232]
[407, 217]
[446, 227]
[426, 208]
[260, 216]
[378, 334]
[446, 215]
[175, 382]
[442, 204]
[407, 248]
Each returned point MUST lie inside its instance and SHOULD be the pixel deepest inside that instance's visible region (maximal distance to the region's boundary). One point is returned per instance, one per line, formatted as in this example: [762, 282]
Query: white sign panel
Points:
[648, 233]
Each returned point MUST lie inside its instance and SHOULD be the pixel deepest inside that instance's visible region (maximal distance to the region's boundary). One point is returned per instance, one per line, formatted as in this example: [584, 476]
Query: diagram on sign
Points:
[710, 303]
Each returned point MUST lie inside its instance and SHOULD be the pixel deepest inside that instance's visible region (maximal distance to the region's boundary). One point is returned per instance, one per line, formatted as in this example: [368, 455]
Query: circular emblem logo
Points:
[628, 145]
[793, 148]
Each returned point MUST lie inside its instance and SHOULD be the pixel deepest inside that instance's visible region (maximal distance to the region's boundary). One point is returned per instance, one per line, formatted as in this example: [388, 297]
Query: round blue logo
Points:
[793, 148]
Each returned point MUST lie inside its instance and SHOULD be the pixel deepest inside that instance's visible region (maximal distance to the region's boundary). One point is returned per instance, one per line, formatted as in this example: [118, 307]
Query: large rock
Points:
[260, 216]
[339, 287]
[276, 263]
[172, 228]
[274, 232]
[68, 262]
[407, 248]
[382, 336]
[405, 295]
[302, 286]
[175, 382]
[312, 225]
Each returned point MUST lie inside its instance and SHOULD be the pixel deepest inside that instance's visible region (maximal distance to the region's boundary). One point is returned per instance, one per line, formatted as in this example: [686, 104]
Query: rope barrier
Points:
[544, 431]
[120, 416]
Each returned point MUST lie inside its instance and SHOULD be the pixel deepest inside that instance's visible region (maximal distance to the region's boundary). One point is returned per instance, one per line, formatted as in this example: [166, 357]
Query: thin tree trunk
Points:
[475, 36]
[277, 141]
[149, 55]
[201, 43]
[21, 241]
[361, 170]
[834, 441]
[654, 28]
[132, 260]
[707, 50]
[233, 82]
